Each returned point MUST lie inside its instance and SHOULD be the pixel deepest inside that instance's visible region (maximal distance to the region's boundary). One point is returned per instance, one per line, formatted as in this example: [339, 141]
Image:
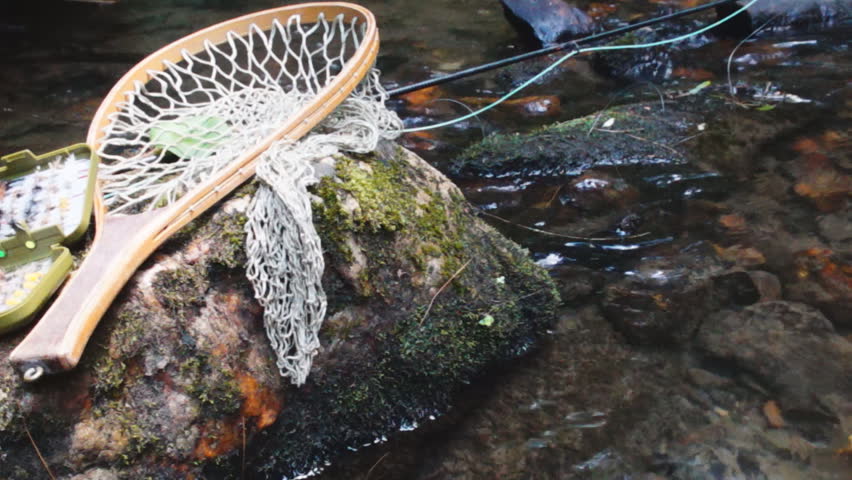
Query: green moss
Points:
[407, 366]
[415, 371]
[569, 147]
[230, 248]
[442, 234]
[181, 289]
[384, 202]
[22, 473]
[583, 125]
[109, 375]
[430, 250]
[213, 223]
[379, 191]
[451, 344]
[188, 232]
[10, 414]
[216, 391]
[140, 440]
[126, 336]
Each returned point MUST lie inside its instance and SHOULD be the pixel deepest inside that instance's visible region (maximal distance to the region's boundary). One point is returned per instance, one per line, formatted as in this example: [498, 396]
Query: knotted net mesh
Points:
[198, 115]
[285, 261]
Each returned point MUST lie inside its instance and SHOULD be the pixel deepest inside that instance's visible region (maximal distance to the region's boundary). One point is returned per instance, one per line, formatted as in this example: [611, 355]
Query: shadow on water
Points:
[588, 404]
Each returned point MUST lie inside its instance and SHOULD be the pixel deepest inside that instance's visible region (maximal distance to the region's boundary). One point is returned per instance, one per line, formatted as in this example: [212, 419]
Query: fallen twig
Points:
[569, 237]
[243, 459]
[684, 140]
[367, 477]
[641, 139]
[432, 302]
[38, 452]
[609, 130]
[553, 197]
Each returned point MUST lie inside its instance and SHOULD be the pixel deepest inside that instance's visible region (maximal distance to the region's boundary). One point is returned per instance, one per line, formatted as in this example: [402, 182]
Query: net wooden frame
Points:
[123, 242]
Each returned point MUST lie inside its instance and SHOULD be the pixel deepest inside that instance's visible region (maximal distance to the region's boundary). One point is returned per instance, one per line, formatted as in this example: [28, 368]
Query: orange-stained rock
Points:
[806, 145]
[424, 141]
[259, 402]
[532, 106]
[820, 170]
[824, 279]
[541, 105]
[596, 190]
[219, 437]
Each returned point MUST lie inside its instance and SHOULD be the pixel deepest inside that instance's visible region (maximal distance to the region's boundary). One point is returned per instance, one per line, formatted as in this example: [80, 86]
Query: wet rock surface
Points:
[547, 21]
[179, 380]
[664, 301]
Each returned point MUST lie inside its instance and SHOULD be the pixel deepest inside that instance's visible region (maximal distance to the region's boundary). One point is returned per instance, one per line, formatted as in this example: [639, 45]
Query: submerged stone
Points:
[791, 349]
[663, 301]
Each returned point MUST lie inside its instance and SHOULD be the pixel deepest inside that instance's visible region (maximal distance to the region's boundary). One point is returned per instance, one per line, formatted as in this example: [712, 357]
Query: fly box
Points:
[45, 205]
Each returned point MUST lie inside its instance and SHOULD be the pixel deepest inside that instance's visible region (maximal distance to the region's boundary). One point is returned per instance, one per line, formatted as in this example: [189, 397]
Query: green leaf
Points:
[699, 87]
[765, 108]
[190, 137]
[487, 321]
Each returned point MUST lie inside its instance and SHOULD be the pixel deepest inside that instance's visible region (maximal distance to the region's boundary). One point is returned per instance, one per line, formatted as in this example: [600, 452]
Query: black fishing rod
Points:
[573, 44]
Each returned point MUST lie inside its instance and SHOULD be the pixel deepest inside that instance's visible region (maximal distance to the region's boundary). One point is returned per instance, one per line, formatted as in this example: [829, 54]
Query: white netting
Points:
[285, 262]
[197, 116]
[194, 117]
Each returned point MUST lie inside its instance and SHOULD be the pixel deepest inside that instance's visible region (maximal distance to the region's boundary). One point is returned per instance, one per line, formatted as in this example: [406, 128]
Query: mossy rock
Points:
[703, 132]
[180, 381]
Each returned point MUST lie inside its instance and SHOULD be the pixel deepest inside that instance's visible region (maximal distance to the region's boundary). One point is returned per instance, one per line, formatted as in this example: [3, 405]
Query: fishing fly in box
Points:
[31, 269]
[45, 202]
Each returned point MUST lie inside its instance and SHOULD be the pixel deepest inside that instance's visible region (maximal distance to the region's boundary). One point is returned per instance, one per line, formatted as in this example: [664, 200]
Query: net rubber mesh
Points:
[198, 115]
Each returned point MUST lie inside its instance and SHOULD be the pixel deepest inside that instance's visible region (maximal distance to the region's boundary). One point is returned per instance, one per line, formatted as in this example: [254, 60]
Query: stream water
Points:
[587, 404]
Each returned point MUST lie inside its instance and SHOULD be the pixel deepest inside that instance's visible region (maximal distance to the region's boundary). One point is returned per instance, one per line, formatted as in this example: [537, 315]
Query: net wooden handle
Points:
[56, 343]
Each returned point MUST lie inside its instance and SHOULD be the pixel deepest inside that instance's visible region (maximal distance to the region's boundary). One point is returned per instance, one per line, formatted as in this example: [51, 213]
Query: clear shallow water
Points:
[61, 63]
[577, 408]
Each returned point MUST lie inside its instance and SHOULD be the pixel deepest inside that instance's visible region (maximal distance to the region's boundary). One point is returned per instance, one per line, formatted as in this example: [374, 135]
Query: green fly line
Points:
[572, 54]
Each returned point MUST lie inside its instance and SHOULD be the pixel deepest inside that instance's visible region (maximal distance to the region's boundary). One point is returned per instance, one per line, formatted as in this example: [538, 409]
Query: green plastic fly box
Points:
[45, 205]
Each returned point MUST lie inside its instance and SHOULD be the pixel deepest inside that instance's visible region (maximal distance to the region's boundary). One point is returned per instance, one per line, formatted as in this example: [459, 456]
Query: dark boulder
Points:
[179, 380]
[547, 21]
